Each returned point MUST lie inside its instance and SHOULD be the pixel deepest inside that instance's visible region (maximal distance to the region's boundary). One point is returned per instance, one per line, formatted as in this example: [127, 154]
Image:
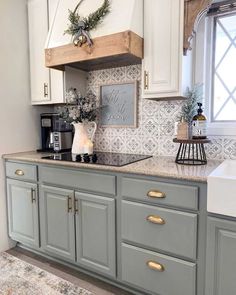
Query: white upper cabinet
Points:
[47, 86]
[56, 77]
[38, 29]
[166, 72]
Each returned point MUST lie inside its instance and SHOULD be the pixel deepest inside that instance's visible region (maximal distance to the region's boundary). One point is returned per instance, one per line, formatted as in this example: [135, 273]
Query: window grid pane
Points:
[224, 69]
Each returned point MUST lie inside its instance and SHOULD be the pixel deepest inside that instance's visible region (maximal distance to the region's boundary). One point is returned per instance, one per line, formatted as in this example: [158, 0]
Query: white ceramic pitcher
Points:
[82, 144]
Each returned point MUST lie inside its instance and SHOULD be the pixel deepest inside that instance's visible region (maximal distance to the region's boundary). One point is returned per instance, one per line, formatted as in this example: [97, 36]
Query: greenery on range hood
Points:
[113, 43]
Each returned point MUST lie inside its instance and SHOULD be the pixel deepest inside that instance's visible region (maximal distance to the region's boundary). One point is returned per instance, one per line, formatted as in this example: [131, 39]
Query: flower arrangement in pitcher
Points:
[79, 108]
[81, 111]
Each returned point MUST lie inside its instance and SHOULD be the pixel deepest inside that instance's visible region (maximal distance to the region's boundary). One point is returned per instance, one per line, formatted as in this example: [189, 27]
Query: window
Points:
[224, 69]
[215, 66]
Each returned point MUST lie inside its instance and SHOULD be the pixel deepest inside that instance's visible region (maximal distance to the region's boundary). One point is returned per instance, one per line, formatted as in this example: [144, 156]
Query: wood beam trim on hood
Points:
[113, 50]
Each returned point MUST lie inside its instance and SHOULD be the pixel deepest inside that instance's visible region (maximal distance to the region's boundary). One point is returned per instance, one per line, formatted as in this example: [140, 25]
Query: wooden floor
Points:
[94, 285]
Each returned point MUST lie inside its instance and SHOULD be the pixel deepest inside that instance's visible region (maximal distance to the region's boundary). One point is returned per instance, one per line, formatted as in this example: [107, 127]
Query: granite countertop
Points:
[155, 166]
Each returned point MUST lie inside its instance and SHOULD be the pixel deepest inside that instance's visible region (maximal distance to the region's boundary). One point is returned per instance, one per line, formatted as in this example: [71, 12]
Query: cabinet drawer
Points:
[91, 182]
[161, 193]
[157, 273]
[164, 229]
[21, 171]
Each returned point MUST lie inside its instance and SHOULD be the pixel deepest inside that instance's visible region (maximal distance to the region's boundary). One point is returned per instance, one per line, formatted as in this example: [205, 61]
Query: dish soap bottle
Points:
[199, 125]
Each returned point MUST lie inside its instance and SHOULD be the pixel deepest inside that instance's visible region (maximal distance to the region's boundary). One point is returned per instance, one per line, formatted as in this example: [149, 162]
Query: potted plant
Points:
[188, 110]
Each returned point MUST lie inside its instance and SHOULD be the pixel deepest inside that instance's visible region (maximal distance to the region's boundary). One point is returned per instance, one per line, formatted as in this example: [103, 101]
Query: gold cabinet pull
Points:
[155, 266]
[33, 195]
[69, 204]
[155, 219]
[45, 89]
[19, 172]
[146, 80]
[156, 194]
[76, 206]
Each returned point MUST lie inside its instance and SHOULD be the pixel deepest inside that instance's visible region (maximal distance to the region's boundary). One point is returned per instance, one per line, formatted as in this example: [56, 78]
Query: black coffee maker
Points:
[56, 134]
[48, 122]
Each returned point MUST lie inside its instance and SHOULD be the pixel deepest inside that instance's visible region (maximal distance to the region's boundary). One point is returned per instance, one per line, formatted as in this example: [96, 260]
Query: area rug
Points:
[20, 278]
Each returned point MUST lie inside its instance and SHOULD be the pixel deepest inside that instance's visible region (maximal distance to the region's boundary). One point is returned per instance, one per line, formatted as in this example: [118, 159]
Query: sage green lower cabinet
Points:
[95, 232]
[57, 222]
[163, 235]
[147, 234]
[22, 200]
[78, 225]
[221, 257]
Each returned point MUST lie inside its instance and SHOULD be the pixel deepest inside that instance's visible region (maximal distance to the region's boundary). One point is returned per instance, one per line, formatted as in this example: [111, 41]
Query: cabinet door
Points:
[56, 76]
[95, 228]
[221, 257]
[22, 199]
[47, 86]
[38, 30]
[57, 222]
[163, 48]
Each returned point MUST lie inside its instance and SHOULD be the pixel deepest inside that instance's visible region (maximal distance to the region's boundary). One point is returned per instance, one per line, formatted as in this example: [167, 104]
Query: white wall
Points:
[19, 122]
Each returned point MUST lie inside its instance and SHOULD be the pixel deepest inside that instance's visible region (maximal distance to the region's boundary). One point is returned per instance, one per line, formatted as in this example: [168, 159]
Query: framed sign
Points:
[119, 105]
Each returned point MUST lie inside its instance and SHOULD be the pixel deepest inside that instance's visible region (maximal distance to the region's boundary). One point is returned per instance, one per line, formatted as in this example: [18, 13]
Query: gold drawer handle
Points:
[19, 172]
[155, 219]
[156, 194]
[155, 266]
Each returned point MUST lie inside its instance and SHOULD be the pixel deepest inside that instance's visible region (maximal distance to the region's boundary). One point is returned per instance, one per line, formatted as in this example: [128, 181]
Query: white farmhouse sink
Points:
[221, 194]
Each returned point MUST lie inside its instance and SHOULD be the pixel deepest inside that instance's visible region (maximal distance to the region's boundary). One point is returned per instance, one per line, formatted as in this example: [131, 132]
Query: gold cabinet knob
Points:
[155, 219]
[155, 266]
[19, 172]
[156, 194]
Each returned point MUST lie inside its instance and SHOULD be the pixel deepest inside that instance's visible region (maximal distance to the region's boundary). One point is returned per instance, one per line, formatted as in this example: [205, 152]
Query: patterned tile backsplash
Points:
[156, 119]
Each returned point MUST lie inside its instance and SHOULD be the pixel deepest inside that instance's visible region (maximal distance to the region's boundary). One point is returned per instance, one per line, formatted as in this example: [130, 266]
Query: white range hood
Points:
[118, 40]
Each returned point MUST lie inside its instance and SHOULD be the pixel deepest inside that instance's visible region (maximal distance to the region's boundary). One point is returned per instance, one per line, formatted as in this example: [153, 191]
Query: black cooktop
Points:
[101, 158]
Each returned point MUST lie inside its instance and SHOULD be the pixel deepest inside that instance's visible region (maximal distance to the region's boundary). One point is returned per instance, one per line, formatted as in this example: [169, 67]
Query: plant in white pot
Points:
[81, 112]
